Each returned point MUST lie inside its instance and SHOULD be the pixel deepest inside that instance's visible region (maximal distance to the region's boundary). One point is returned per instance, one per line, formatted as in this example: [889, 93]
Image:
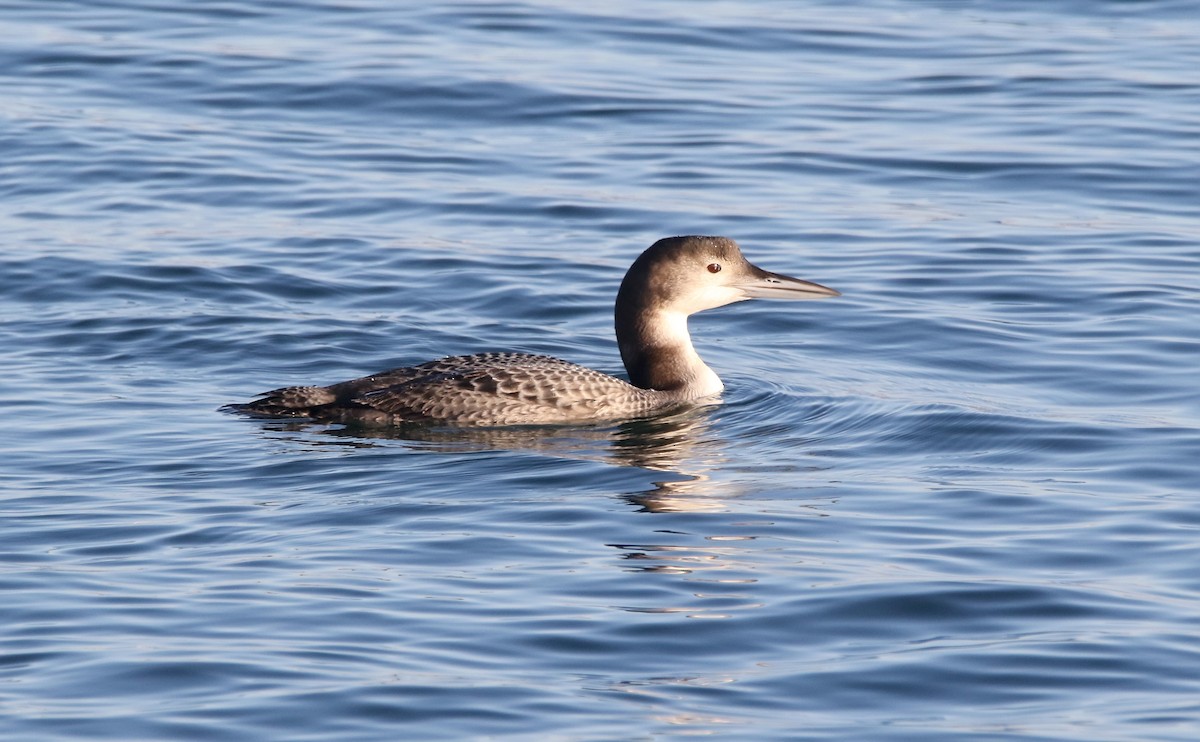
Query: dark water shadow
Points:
[683, 444]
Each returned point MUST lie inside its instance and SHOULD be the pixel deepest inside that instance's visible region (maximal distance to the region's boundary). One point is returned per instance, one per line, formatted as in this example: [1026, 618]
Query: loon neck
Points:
[658, 353]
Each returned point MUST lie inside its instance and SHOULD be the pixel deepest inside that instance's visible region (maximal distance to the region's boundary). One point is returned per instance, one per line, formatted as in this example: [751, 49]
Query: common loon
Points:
[674, 278]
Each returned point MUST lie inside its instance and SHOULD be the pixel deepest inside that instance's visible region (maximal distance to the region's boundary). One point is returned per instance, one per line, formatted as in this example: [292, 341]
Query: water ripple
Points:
[956, 503]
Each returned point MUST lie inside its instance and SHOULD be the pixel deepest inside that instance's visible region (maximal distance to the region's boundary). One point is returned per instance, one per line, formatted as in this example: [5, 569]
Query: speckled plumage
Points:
[675, 277]
[480, 389]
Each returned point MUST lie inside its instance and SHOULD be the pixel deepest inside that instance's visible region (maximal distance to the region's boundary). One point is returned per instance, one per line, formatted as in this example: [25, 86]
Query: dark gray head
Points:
[694, 273]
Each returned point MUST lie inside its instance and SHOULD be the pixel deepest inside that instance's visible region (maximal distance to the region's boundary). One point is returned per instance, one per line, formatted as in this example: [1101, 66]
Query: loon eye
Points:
[714, 267]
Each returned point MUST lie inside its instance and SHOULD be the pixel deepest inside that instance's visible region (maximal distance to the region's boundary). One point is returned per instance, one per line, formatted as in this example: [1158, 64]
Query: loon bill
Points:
[674, 278]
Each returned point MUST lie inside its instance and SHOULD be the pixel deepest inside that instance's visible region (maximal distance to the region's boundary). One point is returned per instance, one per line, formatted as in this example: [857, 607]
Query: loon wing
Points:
[480, 389]
[505, 389]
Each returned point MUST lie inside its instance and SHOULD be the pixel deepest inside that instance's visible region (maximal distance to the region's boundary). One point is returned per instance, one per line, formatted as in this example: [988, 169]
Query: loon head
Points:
[686, 275]
[679, 276]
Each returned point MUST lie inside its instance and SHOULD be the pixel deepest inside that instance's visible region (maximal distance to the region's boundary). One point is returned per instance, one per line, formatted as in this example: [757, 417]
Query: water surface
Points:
[958, 503]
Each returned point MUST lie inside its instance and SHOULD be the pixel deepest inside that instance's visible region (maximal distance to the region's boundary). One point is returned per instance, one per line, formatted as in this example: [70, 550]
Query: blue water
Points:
[961, 502]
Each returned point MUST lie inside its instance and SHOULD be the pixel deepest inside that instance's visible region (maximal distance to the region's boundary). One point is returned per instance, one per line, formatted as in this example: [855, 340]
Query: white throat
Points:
[669, 330]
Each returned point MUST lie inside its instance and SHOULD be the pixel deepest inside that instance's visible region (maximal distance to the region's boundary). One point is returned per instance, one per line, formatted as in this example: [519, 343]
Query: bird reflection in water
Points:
[717, 576]
[682, 445]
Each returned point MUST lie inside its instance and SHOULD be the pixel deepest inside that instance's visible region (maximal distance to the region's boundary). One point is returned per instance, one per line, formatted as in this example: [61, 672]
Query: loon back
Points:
[481, 389]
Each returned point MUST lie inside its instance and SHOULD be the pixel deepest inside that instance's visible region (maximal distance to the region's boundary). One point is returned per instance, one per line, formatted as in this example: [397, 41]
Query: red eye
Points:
[714, 267]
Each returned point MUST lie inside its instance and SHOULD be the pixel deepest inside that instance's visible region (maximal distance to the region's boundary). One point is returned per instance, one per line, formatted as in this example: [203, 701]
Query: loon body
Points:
[674, 278]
